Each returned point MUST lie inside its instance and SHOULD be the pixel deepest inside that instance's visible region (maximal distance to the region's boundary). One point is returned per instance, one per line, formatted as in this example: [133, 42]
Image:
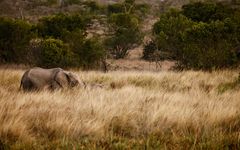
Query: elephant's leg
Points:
[54, 86]
[29, 86]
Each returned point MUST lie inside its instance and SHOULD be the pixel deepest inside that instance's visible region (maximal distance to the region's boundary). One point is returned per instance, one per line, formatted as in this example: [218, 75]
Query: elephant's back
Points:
[43, 72]
[40, 76]
[38, 72]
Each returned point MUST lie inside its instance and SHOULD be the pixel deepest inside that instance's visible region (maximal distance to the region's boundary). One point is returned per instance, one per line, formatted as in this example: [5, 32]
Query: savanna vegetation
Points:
[167, 110]
[195, 108]
[199, 36]
[53, 37]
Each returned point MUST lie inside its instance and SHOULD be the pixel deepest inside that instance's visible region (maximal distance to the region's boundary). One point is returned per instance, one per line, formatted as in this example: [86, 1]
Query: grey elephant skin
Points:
[36, 79]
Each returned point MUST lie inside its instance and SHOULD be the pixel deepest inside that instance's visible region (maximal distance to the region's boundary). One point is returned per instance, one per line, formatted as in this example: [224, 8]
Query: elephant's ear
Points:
[73, 79]
[62, 79]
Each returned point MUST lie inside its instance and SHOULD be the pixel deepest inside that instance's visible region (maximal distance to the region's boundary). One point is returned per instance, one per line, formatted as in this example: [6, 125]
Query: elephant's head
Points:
[72, 79]
[67, 79]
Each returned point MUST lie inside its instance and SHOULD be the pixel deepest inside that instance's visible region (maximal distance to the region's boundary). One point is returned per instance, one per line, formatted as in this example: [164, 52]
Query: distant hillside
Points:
[31, 9]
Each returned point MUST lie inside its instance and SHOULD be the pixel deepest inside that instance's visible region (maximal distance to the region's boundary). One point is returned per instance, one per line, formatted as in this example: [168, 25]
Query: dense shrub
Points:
[14, 38]
[201, 36]
[88, 52]
[91, 54]
[126, 34]
[168, 32]
[71, 29]
[49, 53]
[208, 46]
[58, 26]
[207, 12]
[54, 53]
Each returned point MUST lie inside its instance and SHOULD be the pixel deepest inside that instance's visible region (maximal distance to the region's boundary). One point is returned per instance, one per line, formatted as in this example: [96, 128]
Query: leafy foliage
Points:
[169, 30]
[201, 36]
[54, 53]
[71, 29]
[207, 12]
[14, 38]
[208, 46]
[91, 54]
[60, 25]
[88, 52]
[126, 34]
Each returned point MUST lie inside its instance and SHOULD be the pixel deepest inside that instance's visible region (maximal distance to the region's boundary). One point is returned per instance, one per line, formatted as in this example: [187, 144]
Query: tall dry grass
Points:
[135, 110]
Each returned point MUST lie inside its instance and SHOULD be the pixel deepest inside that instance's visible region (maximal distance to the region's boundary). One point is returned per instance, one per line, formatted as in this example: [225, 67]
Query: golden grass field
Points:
[135, 110]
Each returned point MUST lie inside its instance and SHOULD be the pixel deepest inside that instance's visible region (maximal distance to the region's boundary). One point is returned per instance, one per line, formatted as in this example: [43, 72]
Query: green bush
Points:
[88, 52]
[208, 46]
[201, 36]
[54, 53]
[14, 38]
[126, 34]
[61, 42]
[71, 29]
[91, 54]
[207, 12]
[168, 32]
[58, 26]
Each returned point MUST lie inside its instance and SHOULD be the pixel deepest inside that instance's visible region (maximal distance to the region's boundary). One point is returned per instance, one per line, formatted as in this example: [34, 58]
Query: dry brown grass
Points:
[135, 110]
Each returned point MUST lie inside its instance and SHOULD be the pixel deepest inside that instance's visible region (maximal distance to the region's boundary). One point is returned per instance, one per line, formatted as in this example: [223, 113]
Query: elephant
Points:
[36, 79]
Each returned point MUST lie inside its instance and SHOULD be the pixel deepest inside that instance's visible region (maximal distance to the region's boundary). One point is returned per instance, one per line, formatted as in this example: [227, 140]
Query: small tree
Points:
[126, 34]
